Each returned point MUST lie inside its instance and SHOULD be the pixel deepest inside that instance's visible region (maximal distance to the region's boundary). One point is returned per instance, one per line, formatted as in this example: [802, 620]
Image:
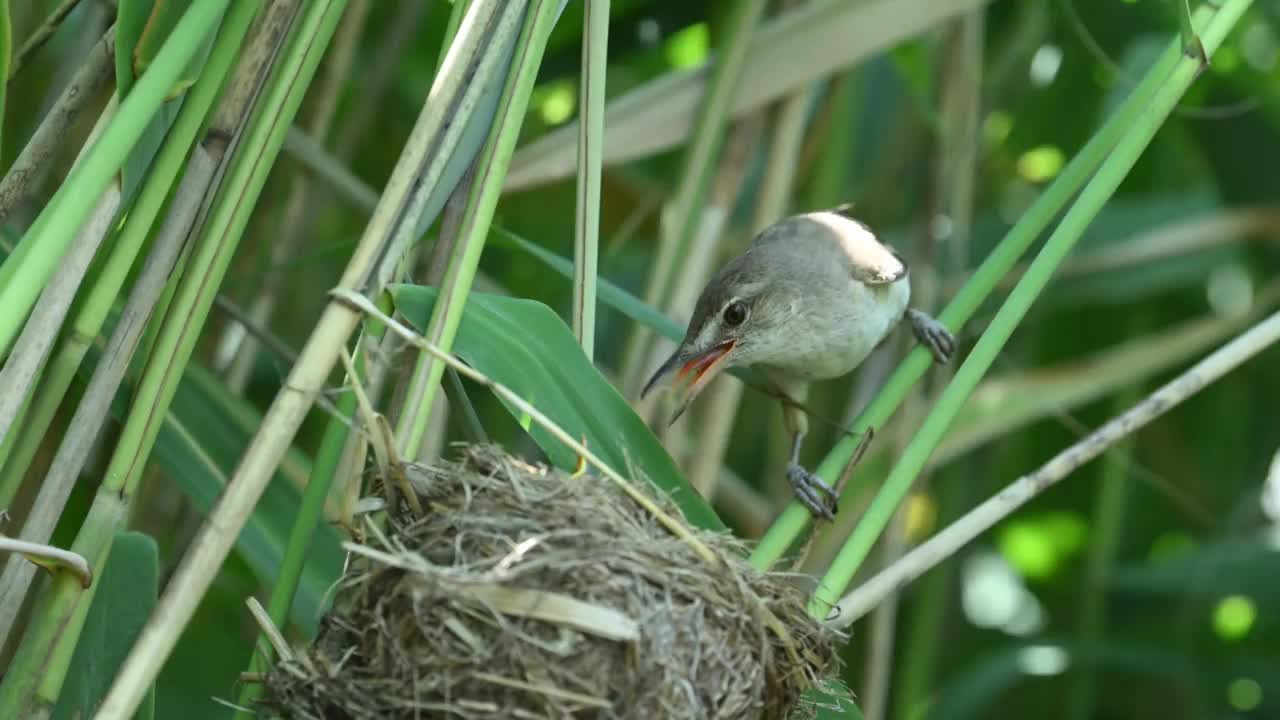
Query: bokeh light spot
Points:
[1041, 164]
[557, 102]
[1029, 549]
[1233, 617]
[689, 47]
[1244, 694]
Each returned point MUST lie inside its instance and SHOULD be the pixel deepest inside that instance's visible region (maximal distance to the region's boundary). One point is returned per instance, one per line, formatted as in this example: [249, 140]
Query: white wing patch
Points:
[870, 261]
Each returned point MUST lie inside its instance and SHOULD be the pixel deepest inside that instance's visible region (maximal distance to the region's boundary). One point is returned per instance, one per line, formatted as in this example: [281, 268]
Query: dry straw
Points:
[529, 593]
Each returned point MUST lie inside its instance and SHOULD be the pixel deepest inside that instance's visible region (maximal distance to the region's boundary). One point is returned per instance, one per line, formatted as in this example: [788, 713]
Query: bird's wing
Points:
[833, 236]
[870, 261]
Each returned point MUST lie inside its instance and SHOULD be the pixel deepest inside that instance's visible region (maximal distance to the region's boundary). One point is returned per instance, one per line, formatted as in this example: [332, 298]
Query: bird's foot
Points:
[933, 335]
[810, 489]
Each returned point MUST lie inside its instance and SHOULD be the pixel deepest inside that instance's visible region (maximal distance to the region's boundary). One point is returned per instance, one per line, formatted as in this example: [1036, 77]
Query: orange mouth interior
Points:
[694, 370]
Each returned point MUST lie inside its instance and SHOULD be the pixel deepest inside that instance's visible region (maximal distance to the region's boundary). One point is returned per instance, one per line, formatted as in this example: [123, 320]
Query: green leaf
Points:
[124, 599]
[609, 293]
[524, 345]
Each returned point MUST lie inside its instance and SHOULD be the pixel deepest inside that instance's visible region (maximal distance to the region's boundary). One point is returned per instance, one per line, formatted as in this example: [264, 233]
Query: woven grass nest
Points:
[524, 592]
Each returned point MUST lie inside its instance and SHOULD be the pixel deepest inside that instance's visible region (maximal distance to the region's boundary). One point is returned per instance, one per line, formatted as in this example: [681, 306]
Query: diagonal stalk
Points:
[683, 213]
[793, 521]
[986, 515]
[474, 225]
[41, 661]
[1169, 90]
[25, 272]
[393, 227]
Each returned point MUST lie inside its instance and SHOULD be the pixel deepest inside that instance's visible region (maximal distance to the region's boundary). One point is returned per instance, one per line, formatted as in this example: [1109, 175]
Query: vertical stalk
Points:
[595, 57]
[261, 308]
[393, 226]
[53, 634]
[950, 195]
[25, 272]
[1112, 491]
[504, 25]
[775, 195]
[491, 170]
[304, 527]
[683, 214]
[925, 622]
[22, 177]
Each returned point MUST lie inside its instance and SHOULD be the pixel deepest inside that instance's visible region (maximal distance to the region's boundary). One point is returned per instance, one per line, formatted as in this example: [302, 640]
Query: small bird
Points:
[811, 297]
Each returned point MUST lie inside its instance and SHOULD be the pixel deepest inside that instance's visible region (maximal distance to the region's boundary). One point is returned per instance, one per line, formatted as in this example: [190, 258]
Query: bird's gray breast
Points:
[839, 326]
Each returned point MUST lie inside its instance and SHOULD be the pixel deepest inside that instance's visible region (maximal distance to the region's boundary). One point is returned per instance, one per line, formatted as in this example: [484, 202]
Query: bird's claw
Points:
[809, 489]
[933, 335]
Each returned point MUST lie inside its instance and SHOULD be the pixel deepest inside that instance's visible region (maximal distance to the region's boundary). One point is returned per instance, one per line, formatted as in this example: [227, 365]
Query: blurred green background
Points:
[1145, 586]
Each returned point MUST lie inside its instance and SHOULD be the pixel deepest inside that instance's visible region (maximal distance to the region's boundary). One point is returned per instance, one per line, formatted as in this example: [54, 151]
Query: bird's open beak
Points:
[694, 373]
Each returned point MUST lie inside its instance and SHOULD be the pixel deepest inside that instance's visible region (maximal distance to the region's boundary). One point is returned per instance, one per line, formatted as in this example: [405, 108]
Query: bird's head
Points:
[737, 322]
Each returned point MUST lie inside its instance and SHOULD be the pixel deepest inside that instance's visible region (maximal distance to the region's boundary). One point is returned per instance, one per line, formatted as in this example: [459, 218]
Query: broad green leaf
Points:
[608, 293]
[124, 600]
[201, 673]
[527, 347]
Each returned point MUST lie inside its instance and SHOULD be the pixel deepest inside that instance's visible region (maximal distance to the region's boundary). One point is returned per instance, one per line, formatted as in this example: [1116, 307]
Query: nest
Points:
[527, 593]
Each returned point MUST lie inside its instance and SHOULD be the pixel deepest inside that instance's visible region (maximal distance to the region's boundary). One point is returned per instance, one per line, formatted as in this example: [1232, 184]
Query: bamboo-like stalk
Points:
[1170, 88]
[94, 408]
[983, 517]
[392, 229]
[793, 521]
[473, 229]
[38, 37]
[17, 184]
[775, 195]
[403, 29]
[27, 270]
[595, 57]
[333, 79]
[682, 216]
[38, 332]
[926, 618]
[327, 463]
[414, 412]
[47, 646]
[17, 449]
[950, 195]
[23, 368]
[1112, 488]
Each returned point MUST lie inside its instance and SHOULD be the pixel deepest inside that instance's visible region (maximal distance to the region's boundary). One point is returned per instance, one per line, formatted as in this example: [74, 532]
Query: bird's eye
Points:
[735, 313]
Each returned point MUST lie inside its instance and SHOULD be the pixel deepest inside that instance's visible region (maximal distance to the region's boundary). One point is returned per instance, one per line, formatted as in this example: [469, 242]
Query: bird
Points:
[808, 300]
